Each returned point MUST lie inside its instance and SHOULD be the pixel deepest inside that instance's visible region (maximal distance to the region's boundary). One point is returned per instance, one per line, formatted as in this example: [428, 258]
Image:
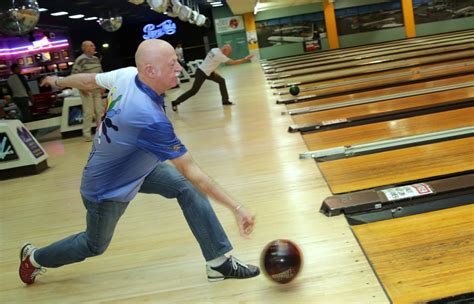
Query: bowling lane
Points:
[385, 106]
[358, 57]
[373, 68]
[389, 78]
[365, 48]
[391, 129]
[422, 257]
[399, 166]
[375, 62]
[400, 89]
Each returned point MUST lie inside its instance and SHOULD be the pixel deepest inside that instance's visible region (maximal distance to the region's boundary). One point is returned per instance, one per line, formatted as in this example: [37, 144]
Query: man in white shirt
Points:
[207, 69]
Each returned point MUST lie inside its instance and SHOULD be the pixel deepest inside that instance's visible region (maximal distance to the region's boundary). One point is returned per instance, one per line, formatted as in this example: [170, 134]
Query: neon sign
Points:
[152, 31]
[44, 42]
[44, 45]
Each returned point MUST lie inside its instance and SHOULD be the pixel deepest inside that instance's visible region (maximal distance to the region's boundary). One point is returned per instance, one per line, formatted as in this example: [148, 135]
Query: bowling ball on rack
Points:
[294, 90]
[281, 261]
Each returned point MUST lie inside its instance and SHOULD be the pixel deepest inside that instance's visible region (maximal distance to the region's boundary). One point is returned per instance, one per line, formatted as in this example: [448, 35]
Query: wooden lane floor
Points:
[467, 54]
[401, 89]
[378, 108]
[423, 257]
[154, 257]
[356, 84]
[351, 82]
[399, 166]
[348, 51]
[370, 63]
[391, 129]
[378, 54]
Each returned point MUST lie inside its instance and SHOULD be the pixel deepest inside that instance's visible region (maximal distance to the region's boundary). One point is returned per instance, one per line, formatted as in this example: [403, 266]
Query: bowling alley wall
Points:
[284, 32]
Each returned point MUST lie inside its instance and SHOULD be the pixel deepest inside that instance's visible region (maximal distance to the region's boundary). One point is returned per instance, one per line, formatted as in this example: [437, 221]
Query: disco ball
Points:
[111, 24]
[18, 17]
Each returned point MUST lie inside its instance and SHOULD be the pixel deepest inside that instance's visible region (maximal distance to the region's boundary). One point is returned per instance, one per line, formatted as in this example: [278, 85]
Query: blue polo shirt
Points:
[133, 137]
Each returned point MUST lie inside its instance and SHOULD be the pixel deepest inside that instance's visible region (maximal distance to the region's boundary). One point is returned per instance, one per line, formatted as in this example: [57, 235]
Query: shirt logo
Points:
[107, 122]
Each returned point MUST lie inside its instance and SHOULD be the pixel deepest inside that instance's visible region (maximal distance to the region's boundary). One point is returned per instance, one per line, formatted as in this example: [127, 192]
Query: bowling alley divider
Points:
[342, 152]
[405, 199]
[346, 122]
[20, 153]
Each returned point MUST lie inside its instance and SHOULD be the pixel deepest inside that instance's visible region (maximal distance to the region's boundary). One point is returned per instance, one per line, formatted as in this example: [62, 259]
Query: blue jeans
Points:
[103, 217]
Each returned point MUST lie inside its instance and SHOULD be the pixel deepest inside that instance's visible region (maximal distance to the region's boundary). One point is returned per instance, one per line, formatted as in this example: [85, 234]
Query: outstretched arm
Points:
[79, 81]
[186, 166]
[239, 61]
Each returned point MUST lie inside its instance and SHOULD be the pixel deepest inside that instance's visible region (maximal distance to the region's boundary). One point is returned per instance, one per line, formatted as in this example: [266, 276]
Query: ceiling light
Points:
[105, 45]
[79, 16]
[216, 4]
[90, 18]
[59, 14]
[42, 9]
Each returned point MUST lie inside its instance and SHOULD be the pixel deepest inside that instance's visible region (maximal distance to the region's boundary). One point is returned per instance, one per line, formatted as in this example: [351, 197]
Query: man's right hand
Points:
[245, 221]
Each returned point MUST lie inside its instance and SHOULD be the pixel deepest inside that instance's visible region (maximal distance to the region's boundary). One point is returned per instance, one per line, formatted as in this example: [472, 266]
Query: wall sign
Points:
[311, 45]
[235, 23]
[42, 43]
[153, 31]
[405, 192]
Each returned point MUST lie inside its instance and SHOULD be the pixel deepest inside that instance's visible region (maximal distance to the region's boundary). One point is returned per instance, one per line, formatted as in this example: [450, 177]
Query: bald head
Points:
[157, 64]
[154, 52]
[226, 49]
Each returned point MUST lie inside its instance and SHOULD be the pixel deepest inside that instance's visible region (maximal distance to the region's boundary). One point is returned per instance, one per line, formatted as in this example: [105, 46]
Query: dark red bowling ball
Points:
[281, 261]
